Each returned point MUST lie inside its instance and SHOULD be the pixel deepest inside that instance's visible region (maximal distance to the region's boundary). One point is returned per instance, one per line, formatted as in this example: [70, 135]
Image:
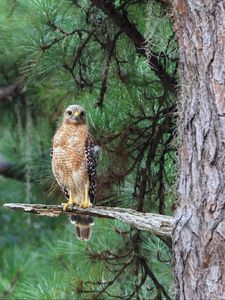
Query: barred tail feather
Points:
[83, 225]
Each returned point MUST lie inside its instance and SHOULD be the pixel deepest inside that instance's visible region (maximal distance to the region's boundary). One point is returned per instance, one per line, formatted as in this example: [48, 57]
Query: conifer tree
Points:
[119, 60]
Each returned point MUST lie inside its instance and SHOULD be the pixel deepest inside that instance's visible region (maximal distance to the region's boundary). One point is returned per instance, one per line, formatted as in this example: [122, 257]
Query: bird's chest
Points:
[69, 162]
[68, 153]
[72, 153]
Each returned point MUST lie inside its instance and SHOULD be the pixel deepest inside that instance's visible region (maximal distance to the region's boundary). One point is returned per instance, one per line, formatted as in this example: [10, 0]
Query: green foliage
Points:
[41, 51]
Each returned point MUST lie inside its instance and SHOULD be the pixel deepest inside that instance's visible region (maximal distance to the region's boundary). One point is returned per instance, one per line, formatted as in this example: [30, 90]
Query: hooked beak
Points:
[76, 115]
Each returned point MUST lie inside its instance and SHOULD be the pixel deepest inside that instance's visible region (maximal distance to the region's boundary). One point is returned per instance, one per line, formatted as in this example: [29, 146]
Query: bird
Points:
[74, 162]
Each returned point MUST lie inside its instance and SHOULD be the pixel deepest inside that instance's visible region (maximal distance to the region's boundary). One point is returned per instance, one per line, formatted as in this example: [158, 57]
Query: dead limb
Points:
[161, 225]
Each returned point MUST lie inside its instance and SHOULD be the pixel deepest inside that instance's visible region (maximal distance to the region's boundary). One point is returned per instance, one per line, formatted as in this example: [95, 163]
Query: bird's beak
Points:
[76, 116]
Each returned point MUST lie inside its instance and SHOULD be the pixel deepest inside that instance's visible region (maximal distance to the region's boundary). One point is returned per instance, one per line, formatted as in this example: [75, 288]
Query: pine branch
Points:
[137, 39]
[153, 278]
[161, 225]
[106, 69]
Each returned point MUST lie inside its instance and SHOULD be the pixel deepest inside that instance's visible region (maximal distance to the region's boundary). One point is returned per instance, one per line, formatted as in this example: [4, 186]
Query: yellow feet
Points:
[69, 204]
[86, 203]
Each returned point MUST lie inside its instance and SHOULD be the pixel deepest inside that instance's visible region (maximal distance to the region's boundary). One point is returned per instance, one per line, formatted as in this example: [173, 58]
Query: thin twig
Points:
[113, 280]
[153, 278]
[106, 69]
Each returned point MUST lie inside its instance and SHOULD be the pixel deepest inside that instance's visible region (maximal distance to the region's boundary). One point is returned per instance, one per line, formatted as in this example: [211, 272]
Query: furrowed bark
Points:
[199, 233]
[158, 224]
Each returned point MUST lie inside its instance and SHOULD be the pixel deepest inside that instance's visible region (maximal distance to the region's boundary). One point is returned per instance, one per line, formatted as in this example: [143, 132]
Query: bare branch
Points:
[106, 70]
[79, 32]
[153, 278]
[112, 281]
[158, 224]
[81, 48]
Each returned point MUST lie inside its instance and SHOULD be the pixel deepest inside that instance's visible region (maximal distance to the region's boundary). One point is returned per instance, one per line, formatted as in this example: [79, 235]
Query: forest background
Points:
[119, 60]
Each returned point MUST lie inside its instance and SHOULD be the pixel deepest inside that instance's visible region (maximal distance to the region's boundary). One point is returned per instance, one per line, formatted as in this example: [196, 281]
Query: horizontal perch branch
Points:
[158, 224]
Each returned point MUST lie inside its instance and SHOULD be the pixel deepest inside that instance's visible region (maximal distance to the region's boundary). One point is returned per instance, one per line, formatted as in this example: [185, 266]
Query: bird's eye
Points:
[69, 112]
[82, 113]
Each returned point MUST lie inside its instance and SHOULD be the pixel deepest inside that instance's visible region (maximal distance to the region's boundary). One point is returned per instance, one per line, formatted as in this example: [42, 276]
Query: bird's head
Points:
[75, 114]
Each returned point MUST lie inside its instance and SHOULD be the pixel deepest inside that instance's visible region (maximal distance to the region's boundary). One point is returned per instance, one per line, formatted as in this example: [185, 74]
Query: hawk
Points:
[74, 162]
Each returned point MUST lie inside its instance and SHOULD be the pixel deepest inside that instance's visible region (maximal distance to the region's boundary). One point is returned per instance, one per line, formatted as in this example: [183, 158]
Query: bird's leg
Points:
[86, 203]
[70, 202]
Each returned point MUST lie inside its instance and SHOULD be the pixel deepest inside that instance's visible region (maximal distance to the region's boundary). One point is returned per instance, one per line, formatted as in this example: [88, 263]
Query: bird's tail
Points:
[83, 225]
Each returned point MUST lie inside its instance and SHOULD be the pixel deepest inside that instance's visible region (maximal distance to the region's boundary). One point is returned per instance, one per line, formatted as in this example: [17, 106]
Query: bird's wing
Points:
[62, 187]
[91, 152]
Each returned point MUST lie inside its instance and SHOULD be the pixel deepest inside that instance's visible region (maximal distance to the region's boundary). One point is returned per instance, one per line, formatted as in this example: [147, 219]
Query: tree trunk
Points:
[199, 234]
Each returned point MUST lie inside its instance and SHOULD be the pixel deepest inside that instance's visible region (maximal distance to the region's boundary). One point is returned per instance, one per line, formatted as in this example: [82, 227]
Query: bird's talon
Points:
[66, 206]
[86, 205]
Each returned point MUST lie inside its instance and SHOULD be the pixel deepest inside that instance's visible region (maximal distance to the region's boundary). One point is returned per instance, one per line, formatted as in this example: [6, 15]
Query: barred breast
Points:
[68, 159]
